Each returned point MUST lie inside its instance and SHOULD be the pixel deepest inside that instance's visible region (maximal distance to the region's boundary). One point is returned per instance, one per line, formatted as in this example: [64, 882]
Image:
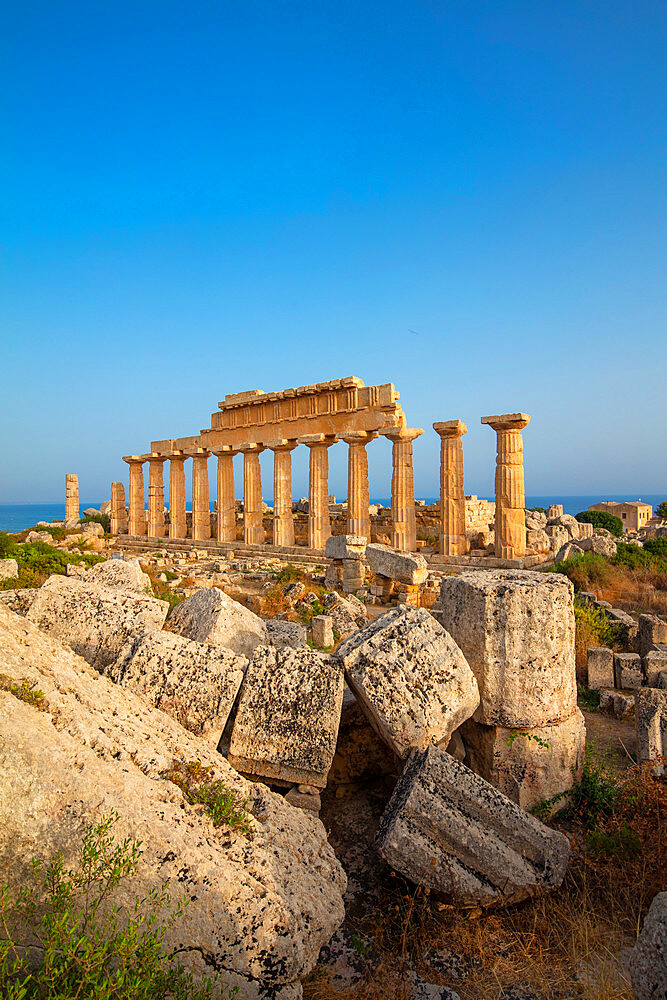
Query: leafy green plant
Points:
[26, 691]
[588, 698]
[198, 785]
[623, 842]
[596, 795]
[91, 948]
[516, 733]
[37, 560]
[537, 510]
[661, 509]
[601, 519]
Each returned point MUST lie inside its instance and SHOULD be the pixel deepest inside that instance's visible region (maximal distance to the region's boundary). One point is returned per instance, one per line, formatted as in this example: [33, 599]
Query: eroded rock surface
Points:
[211, 616]
[125, 575]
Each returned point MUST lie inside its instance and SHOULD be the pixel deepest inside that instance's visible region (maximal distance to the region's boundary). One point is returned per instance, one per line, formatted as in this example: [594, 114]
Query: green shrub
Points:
[623, 842]
[198, 785]
[102, 519]
[597, 794]
[26, 691]
[584, 570]
[588, 698]
[652, 556]
[601, 519]
[656, 546]
[90, 948]
[537, 510]
[37, 560]
[661, 509]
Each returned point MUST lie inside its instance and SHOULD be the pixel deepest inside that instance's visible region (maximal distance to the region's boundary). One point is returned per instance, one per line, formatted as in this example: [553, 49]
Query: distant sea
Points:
[16, 517]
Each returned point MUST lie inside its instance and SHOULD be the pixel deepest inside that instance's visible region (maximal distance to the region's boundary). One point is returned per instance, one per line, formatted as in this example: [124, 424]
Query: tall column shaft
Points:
[404, 524]
[155, 499]
[136, 502]
[510, 540]
[177, 518]
[71, 497]
[253, 529]
[283, 522]
[201, 514]
[319, 522]
[358, 500]
[118, 515]
[453, 541]
[226, 498]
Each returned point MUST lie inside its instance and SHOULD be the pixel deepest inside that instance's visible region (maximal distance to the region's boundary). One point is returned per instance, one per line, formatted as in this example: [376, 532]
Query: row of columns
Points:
[404, 533]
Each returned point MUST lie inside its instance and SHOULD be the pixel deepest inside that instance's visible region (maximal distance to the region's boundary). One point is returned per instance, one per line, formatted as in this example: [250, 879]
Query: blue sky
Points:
[466, 199]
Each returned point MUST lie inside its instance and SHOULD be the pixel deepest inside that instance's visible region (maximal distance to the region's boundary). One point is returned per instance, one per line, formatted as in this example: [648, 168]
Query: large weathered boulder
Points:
[651, 722]
[528, 766]
[347, 613]
[288, 714]
[647, 961]
[283, 633]
[260, 907]
[211, 616]
[448, 830]
[410, 678]
[402, 566]
[124, 575]
[8, 569]
[516, 630]
[194, 682]
[602, 545]
[345, 547]
[95, 621]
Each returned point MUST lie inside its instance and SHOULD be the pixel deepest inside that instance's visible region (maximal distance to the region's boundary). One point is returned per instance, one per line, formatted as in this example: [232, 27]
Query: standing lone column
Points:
[118, 515]
[319, 523]
[358, 500]
[201, 514]
[226, 499]
[404, 524]
[453, 541]
[71, 497]
[510, 490]
[177, 520]
[136, 503]
[253, 529]
[283, 522]
[155, 497]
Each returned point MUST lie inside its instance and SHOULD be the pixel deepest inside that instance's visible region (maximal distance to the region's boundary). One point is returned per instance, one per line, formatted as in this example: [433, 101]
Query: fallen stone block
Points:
[647, 960]
[600, 665]
[124, 575]
[516, 630]
[347, 613]
[410, 678]
[617, 704]
[323, 636]
[602, 545]
[653, 665]
[447, 829]
[260, 907]
[195, 683]
[283, 633]
[287, 718]
[529, 766]
[651, 722]
[309, 801]
[627, 670]
[402, 566]
[8, 569]
[345, 547]
[568, 551]
[93, 620]
[211, 616]
[651, 632]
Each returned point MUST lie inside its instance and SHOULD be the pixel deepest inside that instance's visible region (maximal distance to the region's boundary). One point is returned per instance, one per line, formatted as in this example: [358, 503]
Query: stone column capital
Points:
[252, 449]
[176, 456]
[197, 453]
[154, 458]
[507, 421]
[450, 428]
[221, 451]
[403, 433]
[282, 444]
[134, 459]
[313, 440]
[359, 437]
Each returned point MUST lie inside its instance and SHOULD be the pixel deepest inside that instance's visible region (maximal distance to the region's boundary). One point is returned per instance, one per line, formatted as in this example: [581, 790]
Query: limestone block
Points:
[447, 829]
[537, 541]
[348, 613]
[652, 631]
[627, 670]
[410, 678]
[293, 592]
[516, 630]
[304, 800]
[195, 683]
[618, 704]
[651, 722]
[402, 566]
[345, 547]
[600, 664]
[353, 575]
[288, 714]
[558, 535]
[647, 961]
[568, 551]
[282, 633]
[602, 545]
[211, 616]
[655, 664]
[554, 510]
[333, 578]
[93, 620]
[8, 569]
[260, 908]
[121, 575]
[323, 631]
[92, 528]
[530, 767]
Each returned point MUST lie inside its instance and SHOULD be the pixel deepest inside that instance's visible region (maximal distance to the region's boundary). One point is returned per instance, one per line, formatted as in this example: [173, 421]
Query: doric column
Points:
[178, 527]
[510, 492]
[155, 496]
[226, 498]
[453, 541]
[253, 529]
[283, 522]
[71, 497]
[201, 513]
[319, 523]
[118, 515]
[136, 504]
[404, 525]
[358, 500]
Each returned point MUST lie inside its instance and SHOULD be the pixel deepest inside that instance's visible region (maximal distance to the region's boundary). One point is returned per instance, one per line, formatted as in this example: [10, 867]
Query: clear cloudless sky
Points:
[464, 198]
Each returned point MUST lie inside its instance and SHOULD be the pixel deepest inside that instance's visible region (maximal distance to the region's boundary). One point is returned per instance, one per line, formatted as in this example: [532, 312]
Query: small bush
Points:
[601, 519]
[37, 560]
[26, 691]
[588, 698]
[624, 842]
[593, 628]
[596, 796]
[89, 947]
[585, 570]
[198, 785]
[290, 574]
[661, 509]
[537, 510]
